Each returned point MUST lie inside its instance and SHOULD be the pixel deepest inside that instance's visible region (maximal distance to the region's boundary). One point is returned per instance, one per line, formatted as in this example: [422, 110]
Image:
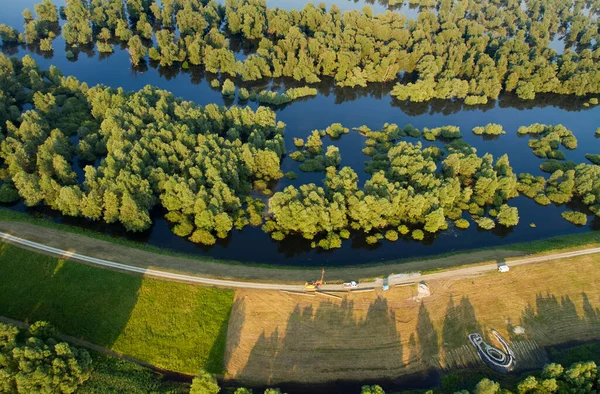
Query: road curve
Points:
[393, 280]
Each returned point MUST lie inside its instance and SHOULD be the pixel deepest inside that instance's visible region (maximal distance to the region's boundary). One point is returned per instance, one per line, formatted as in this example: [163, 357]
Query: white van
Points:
[503, 268]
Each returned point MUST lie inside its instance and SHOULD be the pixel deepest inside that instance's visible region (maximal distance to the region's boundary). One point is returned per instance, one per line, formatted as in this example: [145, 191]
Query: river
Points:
[372, 106]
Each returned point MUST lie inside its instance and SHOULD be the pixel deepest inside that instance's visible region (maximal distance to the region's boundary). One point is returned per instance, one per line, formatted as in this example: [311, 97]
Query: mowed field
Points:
[277, 337]
[174, 326]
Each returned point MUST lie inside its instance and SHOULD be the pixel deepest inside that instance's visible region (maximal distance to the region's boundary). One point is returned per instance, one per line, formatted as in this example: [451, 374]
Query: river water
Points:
[372, 106]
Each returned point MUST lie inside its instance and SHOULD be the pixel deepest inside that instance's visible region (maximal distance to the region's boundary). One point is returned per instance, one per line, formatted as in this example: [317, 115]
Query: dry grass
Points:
[275, 337]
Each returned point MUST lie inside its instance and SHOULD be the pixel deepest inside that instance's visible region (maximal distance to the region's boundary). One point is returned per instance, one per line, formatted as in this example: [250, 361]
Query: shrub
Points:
[154, 54]
[298, 142]
[46, 45]
[411, 131]
[336, 130]
[290, 175]
[8, 193]
[277, 235]
[542, 199]
[297, 156]
[402, 229]
[313, 165]
[418, 235]
[371, 239]
[444, 132]
[485, 223]
[489, 129]
[203, 237]
[508, 216]
[295, 93]
[228, 88]
[204, 383]
[243, 94]
[104, 47]
[42, 330]
[462, 223]
[577, 218]
[593, 157]
[551, 166]
[391, 235]
[475, 100]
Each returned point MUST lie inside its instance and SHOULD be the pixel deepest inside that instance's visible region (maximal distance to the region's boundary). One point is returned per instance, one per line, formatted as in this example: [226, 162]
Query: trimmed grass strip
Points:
[174, 326]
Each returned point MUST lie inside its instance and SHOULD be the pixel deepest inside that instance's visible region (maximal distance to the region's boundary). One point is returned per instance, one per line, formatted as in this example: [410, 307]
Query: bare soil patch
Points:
[276, 337]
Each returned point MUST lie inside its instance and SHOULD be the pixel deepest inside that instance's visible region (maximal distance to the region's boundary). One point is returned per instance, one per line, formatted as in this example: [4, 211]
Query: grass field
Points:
[276, 337]
[174, 326]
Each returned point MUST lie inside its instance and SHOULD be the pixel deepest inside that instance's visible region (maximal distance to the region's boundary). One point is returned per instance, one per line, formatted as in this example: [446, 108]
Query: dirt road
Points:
[238, 271]
[393, 280]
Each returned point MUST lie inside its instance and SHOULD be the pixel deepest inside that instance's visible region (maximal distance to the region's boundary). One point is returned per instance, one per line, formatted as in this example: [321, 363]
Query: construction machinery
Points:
[314, 285]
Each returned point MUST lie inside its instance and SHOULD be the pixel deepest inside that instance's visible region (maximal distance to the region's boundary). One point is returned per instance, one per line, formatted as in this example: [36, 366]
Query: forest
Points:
[456, 49]
[143, 149]
[105, 154]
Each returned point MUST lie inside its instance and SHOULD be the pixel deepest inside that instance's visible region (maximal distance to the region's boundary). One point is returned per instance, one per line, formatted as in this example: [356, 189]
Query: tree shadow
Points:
[460, 321]
[429, 347]
[547, 322]
[82, 301]
[326, 344]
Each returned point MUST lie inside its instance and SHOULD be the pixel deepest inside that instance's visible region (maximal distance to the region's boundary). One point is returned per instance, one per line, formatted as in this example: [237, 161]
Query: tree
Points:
[577, 218]
[435, 221]
[375, 389]
[228, 88]
[485, 223]
[487, 386]
[204, 383]
[46, 11]
[508, 216]
[77, 30]
[39, 363]
[137, 50]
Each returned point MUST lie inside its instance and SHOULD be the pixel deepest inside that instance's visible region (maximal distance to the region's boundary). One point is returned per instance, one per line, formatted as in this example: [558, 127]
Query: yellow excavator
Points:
[314, 285]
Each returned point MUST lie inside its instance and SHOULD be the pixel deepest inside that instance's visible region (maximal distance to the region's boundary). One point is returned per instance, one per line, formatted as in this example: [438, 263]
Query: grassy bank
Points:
[9, 215]
[424, 264]
[174, 326]
[557, 243]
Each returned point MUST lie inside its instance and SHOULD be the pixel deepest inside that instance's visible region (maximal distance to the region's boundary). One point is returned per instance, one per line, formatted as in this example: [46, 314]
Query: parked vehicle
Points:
[386, 284]
[503, 268]
[350, 285]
